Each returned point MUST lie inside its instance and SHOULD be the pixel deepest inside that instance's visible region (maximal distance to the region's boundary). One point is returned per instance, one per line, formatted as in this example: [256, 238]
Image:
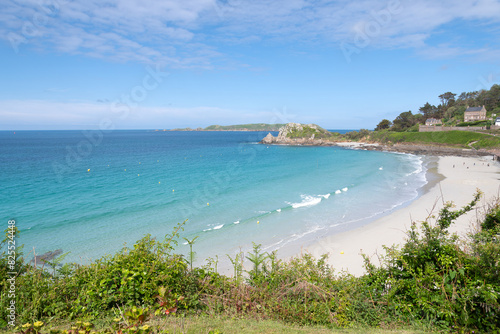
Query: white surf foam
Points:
[306, 202]
[418, 170]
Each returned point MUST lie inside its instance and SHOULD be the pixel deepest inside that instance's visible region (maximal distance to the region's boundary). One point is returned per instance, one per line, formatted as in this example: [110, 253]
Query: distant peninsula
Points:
[238, 127]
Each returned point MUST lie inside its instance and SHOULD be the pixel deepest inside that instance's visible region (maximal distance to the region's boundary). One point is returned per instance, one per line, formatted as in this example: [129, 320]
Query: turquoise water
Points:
[89, 193]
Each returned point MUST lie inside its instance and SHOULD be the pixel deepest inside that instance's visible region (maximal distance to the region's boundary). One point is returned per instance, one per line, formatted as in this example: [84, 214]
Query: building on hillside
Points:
[475, 114]
[497, 122]
[432, 121]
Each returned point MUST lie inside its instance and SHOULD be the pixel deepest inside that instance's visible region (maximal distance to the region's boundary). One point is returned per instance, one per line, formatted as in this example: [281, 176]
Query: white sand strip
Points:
[462, 177]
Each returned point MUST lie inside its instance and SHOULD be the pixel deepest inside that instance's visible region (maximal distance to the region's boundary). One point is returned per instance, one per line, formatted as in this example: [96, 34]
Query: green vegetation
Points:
[434, 282]
[245, 127]
[308, 131]
[450, 111]
[477, 123]
[362, 134]
[405, 127]
[383, 125]
[449, 138]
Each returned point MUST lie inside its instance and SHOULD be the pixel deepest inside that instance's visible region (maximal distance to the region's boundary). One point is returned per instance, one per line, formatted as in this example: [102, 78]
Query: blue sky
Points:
[142, 64]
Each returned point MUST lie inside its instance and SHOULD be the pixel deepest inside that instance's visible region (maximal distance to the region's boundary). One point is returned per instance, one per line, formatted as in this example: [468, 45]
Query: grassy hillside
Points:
[245, 127]
[449, 138]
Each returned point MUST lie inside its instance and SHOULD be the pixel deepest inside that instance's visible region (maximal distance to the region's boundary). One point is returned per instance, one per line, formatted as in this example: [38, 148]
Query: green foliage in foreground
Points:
[452, 138]
[433, 282]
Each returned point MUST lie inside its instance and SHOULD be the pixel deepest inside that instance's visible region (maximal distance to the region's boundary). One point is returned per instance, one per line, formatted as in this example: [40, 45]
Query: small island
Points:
[237, 127]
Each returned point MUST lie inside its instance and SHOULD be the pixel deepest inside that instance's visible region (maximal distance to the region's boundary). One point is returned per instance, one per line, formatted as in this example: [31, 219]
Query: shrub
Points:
[130, 278]
[431, 277]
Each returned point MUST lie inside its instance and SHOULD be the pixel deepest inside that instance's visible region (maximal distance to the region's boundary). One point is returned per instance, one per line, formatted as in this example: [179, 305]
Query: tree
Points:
[450, 112]
[428, 110]
[384, 124]
[447, 99]
[462, 98]
[404, 121]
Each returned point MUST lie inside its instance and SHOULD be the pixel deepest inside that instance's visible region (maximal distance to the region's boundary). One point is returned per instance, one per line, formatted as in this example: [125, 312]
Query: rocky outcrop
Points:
[300, 134]
[269, 139]
[46, 257]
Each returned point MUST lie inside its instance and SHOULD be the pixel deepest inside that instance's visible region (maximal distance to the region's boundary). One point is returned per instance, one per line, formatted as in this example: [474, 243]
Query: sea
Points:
[90, 193]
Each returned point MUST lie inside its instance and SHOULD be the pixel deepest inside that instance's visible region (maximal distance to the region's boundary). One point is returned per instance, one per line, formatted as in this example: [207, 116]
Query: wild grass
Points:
[452, 138]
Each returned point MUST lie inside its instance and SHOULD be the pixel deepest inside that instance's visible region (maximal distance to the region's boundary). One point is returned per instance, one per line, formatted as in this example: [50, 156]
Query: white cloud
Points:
[189, 32]
[447, 51]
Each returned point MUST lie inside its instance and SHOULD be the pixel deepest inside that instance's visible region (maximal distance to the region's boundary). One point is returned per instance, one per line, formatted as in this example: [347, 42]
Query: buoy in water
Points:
[342, 252]
[258, 222]
[208, 204]
[88, 170]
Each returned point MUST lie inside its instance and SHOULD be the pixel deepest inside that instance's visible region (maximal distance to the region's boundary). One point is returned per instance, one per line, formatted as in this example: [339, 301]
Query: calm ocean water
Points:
[89, 193]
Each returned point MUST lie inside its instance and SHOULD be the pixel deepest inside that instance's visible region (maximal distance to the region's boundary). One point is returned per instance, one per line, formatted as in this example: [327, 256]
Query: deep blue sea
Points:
[89, 193]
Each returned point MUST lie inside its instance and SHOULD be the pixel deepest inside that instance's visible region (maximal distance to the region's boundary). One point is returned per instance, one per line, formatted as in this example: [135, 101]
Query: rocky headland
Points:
[296, 134]
[301, 134]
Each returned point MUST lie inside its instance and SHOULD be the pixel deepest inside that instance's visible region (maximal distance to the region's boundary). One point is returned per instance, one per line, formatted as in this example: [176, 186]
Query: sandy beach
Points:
[461, 176]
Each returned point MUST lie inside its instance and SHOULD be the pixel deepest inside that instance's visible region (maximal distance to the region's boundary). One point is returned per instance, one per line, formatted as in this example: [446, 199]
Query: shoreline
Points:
[456, 180]
[409, 148]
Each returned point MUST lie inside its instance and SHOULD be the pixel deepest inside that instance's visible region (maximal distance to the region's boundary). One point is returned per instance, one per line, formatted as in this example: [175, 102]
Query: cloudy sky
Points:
[142, 64]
